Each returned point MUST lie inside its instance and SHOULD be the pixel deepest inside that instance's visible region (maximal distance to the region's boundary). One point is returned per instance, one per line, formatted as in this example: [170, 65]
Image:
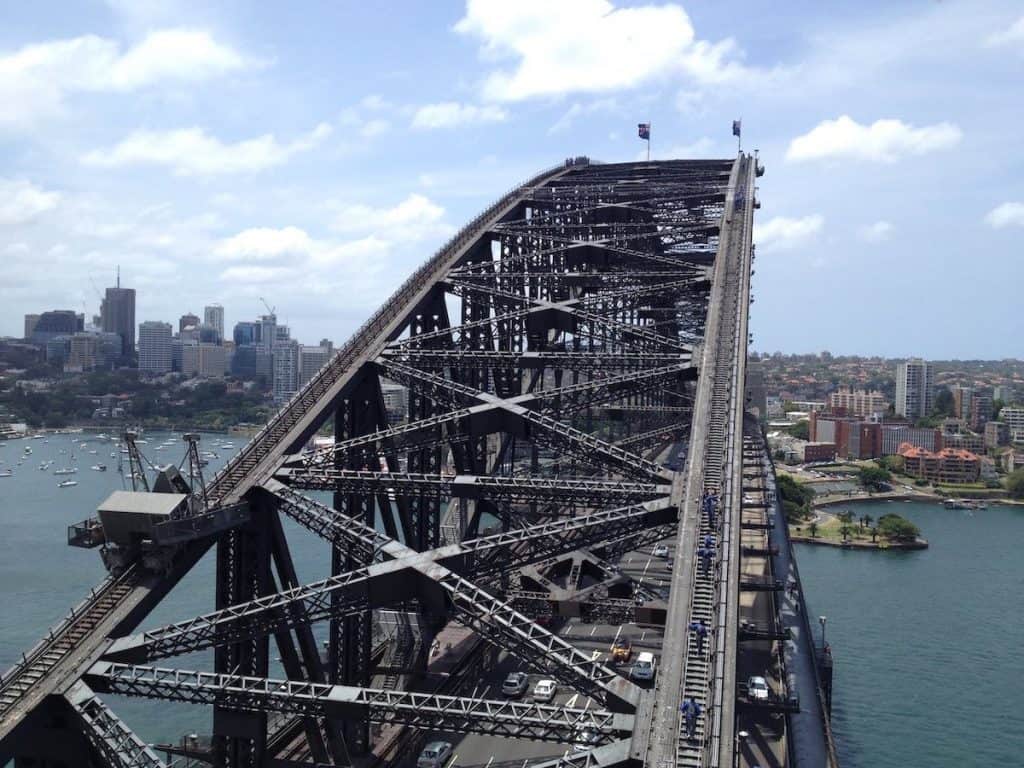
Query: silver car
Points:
[434, 755]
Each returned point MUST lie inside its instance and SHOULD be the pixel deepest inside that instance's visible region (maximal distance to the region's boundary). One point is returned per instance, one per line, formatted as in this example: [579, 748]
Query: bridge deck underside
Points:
[549, 357]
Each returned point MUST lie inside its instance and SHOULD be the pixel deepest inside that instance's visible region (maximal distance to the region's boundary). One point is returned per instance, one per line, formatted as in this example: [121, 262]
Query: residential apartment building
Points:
[997, 434]
[915, 389]
[950, 465]
[1004, 392]
[155, 347]
[286, 368]
[311, 360]
[858, 402]
[396, 401]
[1013, 418]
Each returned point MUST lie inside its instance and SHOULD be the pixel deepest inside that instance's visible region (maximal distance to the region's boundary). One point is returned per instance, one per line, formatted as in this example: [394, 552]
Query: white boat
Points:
[65, 471]
[99, 467]
[67, 483]
[28, 449]
[6, 473]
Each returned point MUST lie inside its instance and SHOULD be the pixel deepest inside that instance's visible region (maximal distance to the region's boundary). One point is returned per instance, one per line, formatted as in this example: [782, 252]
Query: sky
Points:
[313, 155]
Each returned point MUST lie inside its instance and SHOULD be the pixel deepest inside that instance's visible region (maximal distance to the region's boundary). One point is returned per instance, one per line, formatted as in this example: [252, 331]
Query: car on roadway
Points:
[584, 739]
[545, 690]
[434, 755]
[643, 667]
[515, 684]
[660, 551]
[622, 648]
[757, 688]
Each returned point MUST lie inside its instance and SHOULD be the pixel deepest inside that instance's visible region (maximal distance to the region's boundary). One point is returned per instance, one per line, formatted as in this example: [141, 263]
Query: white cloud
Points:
[265, 243]
[589, 46]
[578, 110]
[35, 80]
[876, 233]
[375, 127]
[883, 141]
[191, 152]
[783, 233]
[414, 218]
[1006, 215]
[1012, 35]
[22, 200]
[448, 114]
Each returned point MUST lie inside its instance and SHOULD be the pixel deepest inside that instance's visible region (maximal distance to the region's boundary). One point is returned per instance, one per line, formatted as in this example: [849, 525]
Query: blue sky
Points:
[315, 155]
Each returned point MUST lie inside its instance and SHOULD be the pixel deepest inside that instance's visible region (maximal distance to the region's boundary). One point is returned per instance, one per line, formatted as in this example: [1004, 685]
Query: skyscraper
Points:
[187, 320]
[213, 316]
[30, 325]
[286, 369]
[915, 389]
[117, 311]
[155, 346]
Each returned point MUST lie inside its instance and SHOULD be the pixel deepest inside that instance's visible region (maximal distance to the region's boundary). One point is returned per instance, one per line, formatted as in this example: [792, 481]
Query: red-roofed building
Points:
[950, 465]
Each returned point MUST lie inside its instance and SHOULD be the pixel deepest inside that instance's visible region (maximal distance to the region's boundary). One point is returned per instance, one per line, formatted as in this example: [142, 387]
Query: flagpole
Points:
[649, 126]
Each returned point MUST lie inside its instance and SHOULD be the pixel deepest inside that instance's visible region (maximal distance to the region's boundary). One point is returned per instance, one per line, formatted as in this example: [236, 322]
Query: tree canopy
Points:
[1015, 484]
[895, 527]
[874, 477]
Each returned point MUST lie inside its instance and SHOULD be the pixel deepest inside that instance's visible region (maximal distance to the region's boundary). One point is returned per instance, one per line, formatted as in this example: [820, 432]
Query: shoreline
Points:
[904, 496]
[918, 543]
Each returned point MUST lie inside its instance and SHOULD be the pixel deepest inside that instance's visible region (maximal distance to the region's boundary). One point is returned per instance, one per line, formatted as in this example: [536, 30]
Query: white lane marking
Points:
[572, 701]
[595, 655]
[643, 635]
[586, 706]
[568, 629]
[593, 630]
[617, 633]
[489, 762]
[452, 761]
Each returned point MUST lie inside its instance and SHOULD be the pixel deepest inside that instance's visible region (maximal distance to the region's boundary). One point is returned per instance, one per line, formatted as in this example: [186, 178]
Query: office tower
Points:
[117, 312]
[311, 360]
[247, 333]
[914, 389]
[155, 345]
[268, 330]
[81, 353]
[188, 320]
[213, 316]
[56, 322]
[30, 325]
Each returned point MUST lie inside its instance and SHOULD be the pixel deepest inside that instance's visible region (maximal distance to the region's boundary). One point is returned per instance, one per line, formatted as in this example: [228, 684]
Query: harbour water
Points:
[927, 644]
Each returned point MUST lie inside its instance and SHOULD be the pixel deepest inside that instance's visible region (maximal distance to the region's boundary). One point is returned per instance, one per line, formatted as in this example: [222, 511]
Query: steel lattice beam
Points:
[509, 719]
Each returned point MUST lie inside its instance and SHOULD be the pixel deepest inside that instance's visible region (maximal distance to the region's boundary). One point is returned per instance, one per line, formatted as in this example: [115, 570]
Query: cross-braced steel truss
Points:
[548, 355]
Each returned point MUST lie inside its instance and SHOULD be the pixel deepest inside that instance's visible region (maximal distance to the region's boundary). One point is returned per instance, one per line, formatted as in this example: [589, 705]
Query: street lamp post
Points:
[822, 620]
[741, 736]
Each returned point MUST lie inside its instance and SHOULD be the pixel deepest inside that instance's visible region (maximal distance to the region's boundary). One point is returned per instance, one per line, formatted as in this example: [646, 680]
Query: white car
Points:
[643, 667]
[545, 690]
[660, 551]
[434, 755]
[757, 688]
[515, 684]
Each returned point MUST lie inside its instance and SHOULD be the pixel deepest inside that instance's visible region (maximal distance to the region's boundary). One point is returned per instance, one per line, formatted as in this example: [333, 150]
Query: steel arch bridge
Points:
[558, 354]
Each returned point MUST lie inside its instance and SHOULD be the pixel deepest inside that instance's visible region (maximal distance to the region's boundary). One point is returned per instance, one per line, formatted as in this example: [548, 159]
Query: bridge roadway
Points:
[714, 462]
[118, 604]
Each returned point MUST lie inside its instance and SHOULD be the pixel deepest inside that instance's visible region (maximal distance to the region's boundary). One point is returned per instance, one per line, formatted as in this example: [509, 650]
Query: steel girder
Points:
[116, 743]
[509, 719]
[569, 490]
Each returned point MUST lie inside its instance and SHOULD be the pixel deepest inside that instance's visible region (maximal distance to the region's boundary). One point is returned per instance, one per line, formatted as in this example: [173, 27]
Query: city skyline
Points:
[888, 136]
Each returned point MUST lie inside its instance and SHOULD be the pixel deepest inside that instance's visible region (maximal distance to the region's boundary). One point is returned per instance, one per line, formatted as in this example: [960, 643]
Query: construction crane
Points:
[270, 309]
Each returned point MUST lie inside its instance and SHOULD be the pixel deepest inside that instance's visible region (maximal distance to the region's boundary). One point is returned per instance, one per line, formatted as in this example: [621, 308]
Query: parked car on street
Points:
[545, 690]
[515, 684]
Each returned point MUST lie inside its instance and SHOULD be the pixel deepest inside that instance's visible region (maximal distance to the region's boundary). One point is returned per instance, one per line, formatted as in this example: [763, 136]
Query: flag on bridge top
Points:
[736, 127]
[644, 130]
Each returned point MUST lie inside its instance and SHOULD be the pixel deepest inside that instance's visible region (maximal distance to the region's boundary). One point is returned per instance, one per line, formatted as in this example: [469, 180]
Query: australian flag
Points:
[735, 127]
[644, 130]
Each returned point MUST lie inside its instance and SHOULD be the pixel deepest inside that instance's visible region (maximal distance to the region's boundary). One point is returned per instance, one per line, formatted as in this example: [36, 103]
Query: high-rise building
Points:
[1004, 393]
[247, 333]
[117, 313]
[81, 354]
[155, 345]
[213, 316]
[56, 322]
[30, 325]
[286, 369]
[205, 360]
[981, 410]
[311, 360]
[188, 320]
[857, 402]
[268, 330]
[915, 389]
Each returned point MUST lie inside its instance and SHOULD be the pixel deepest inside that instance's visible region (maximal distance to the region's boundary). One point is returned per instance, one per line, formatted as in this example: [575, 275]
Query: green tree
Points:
[845, 531]
[801, 430]
[943, 403]
[896, 527]
[866, 521]
[874, 477]
[845, 517]
[1015, 484]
